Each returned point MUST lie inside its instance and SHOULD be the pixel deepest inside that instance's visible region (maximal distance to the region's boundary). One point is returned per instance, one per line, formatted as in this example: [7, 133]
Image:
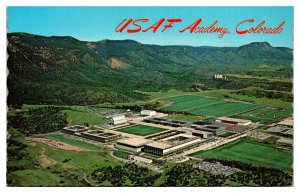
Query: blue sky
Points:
[98, 23]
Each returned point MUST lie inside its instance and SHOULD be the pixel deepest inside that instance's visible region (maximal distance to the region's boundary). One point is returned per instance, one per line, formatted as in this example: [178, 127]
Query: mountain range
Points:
[64, 70]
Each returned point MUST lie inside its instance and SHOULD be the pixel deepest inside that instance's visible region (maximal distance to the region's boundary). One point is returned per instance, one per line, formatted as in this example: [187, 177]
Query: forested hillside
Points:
[63, 70]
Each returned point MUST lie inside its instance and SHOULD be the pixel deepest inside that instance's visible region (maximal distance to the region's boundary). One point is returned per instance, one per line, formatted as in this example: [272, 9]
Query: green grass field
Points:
[265, 115]
[226, 93]
[250, 152]
[86, 161]
[79, 117]
[62, 173]
[121, 154]
[76, 115]
[207, 106]
[141, 130]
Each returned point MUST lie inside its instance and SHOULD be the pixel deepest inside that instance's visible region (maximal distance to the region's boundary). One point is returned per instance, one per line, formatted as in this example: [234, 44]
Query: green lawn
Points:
[70, 167]
[222, 109]
[37, 177]
[225, 93]
[86, 161]
[183, 98]
[265, 115]
[198, 105]
[250, 152]
[76, 115]
[79, 117]
[182, 117]
[141, 130]
[122, 154]
[164, 94]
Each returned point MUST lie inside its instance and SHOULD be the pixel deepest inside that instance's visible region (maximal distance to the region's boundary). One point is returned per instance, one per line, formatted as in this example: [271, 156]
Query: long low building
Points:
[75, 129]
[171, 145]
[166, 122]
[234, 121]
[148, 113]
[132, 144]
[101, 136]
[287, 122]
[163, 135]
[202, 134]
[215, 129]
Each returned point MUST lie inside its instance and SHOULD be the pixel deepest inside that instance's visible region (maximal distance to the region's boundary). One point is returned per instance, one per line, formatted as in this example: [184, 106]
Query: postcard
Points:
[165, 96]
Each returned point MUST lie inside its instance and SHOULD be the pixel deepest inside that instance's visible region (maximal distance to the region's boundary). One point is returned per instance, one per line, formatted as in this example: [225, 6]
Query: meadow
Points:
[72, 140]
[250, 152]
[198, 105]
[266, 115]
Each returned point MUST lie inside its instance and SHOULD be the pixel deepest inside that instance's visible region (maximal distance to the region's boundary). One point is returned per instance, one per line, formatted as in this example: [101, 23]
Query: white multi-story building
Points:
[148, 113]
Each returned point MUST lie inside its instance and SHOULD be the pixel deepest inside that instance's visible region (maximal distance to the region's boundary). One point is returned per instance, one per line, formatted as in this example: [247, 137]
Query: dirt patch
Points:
[45, 160]
[117, 64]
[57, 144]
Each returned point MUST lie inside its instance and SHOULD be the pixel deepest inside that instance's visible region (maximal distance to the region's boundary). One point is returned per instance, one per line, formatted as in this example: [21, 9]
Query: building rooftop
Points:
[202, 132]
[233, 120]
[76, 128]
[118, 117]
[94, 132]
[288, 122]
[134, 141]
[161, 145]
[179, 135]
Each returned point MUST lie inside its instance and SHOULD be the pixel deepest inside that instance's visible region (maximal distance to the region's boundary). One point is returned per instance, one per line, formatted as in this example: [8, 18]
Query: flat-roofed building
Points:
[216, 130]
[75, 129]
[148, 113]
[166, 122]
[288, 122]
[164, 134]
[132, 144]
[139, 159]
[157, 148]
[234, 121]
[101, 136]
[202, 134]
[118, 120]
[171, 145]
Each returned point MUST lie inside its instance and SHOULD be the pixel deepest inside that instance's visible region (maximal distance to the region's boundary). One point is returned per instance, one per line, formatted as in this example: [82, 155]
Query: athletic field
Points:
[265, 115]
[250, 152]
[141, 130]
[206, 106]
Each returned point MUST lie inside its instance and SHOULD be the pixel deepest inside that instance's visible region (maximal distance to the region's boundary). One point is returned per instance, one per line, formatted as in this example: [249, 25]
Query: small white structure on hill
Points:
[148, 113]
[219, 76]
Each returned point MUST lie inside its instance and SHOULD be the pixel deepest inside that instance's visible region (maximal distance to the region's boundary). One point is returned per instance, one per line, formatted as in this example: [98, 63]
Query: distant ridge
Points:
[109, 70]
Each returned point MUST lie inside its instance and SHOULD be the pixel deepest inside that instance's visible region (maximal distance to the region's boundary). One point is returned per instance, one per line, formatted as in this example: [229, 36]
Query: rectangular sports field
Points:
[207, 106]
[265, 115]
[247, 151]
[141, 130]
